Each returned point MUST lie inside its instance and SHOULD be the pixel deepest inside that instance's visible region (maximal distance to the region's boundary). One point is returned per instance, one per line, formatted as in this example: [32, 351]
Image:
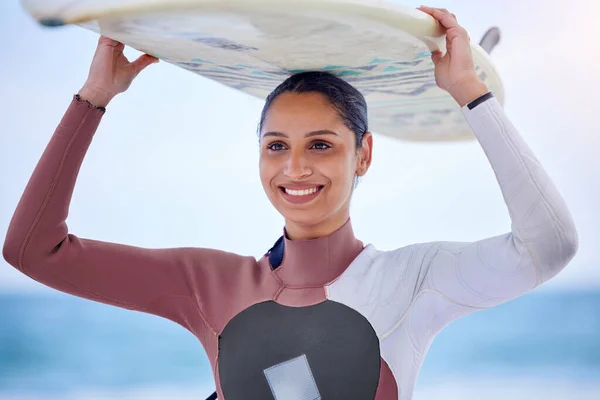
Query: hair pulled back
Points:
[349, 103]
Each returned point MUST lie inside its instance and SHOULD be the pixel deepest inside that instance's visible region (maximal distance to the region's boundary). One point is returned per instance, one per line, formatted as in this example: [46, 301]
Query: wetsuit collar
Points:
[314, 262]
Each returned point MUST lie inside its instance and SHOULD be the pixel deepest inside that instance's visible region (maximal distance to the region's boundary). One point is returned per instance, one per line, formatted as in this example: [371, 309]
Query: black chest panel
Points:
[329, 345]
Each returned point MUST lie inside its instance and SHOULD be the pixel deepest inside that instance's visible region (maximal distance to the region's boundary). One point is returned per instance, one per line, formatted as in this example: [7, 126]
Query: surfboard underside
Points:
[254, 46]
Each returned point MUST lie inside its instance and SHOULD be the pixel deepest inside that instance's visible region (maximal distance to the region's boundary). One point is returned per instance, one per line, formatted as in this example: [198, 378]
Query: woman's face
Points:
[308, 163]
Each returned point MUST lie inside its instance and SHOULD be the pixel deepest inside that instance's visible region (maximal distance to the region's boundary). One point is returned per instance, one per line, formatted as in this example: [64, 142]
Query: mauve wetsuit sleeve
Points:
[39, 244]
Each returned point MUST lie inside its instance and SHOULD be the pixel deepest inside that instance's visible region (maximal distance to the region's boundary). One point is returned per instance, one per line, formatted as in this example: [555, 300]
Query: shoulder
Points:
[384, 284]
[388, 268]
[201, 257]
[383, 272]
[399, 258]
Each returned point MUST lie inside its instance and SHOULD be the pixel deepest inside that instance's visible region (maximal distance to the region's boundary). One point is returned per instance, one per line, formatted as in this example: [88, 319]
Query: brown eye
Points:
[276, 146]
[320, 146]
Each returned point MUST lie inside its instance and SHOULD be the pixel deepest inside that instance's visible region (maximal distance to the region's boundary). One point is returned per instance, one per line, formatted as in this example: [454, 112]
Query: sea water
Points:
[544, 345]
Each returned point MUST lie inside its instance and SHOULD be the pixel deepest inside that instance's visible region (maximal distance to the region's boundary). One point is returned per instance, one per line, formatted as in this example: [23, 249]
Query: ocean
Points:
[544, 345]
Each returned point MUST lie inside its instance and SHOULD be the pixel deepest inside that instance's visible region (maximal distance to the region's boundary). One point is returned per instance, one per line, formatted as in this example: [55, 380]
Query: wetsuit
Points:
[326, 318]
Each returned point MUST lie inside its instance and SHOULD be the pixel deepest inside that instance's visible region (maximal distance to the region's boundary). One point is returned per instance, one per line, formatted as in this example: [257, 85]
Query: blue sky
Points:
[174, 162]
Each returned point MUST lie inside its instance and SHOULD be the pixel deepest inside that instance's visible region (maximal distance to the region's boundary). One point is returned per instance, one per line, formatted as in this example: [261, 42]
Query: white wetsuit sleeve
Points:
[542, 240]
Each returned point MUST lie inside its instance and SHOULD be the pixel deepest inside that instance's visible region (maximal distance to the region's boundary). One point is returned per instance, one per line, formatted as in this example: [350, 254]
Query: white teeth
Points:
[305, 192]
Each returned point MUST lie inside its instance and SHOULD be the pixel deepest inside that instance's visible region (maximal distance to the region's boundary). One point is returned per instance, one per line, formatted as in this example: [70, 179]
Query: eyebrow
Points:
[309, 134]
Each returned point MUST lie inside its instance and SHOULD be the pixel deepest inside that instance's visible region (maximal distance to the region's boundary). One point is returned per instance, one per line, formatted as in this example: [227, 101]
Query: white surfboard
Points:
[381, 48]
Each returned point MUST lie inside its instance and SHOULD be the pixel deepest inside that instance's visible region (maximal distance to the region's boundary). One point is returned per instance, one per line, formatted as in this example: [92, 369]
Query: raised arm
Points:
[38, 242]
[543, 238]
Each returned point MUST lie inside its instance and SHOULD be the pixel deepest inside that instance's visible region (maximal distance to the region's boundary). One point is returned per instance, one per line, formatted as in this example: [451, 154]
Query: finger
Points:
[143, 61]
[459, 32]
[445, 10]
[436, 56]
[425, 9]
[445, 18]
[108, 41]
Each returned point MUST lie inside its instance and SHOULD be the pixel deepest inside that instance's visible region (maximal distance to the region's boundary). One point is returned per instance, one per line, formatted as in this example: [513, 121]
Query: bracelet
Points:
[480, 100]
[90, 105]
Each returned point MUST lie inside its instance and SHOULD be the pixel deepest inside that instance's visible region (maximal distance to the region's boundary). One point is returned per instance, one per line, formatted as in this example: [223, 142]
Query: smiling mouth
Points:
[301, 192]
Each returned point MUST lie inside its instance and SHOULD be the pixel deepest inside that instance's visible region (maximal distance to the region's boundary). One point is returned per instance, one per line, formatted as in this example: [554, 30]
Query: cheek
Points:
[267, 170]
[341, 172]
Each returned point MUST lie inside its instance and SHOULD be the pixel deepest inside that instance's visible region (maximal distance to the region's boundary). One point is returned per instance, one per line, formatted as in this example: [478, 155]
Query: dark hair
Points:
[345, 98]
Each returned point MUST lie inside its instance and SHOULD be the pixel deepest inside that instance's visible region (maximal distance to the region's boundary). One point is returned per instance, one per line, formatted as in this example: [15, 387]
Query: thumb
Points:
[143, 61]
[436, 56]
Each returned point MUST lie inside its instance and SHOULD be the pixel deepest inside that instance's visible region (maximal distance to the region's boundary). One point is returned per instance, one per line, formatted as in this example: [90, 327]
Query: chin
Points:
[310, 214]
[304, 217]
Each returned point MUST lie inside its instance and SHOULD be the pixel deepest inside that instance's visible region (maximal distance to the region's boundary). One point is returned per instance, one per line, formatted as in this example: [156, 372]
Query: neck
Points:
[314, 262]
[302, 231]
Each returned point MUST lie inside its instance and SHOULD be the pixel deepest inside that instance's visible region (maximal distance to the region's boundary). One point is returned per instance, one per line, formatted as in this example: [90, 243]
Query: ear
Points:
[365, 153]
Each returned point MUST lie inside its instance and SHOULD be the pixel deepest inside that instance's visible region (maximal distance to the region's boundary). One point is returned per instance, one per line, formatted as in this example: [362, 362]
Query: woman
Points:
[320, 315]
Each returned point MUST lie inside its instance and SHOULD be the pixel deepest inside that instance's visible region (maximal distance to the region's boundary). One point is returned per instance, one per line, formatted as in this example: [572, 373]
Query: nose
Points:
[297, 166]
